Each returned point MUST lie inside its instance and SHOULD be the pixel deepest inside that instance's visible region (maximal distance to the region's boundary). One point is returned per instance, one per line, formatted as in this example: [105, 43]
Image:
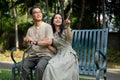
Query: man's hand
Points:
[28, 39]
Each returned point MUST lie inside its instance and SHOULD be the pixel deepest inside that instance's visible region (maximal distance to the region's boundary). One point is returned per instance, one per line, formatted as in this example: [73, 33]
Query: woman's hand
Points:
[68, 29]
[52, 49]
[67, 22]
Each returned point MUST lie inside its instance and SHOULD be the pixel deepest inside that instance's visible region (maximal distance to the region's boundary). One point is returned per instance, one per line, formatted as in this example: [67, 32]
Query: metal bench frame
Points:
[91, 48]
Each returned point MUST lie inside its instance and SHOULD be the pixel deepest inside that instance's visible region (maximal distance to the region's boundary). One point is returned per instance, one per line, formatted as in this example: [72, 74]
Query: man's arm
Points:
[45, 42]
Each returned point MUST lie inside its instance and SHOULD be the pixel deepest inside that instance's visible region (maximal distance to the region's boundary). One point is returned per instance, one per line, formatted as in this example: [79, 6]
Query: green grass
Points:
[7, 75]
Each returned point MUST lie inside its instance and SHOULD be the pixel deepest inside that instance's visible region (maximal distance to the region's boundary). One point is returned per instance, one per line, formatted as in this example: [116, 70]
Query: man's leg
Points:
[26, 67]
[41, 67]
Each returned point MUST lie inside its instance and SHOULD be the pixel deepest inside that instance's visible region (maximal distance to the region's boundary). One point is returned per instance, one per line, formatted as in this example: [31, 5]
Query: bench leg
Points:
[98, 75]
[20, 73]
[13, 74]
[31, 75]
[105, 76]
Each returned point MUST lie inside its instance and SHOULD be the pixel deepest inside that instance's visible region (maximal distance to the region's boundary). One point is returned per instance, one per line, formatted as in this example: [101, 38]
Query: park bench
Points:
[91, 48]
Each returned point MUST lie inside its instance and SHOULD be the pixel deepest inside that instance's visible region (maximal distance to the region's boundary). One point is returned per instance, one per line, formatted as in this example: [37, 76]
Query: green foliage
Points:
[24, 22]
[90, 8]
[88, 22]
[74, 22]
[3, 41]
[8, 24]
[117, 21]
[113, 56]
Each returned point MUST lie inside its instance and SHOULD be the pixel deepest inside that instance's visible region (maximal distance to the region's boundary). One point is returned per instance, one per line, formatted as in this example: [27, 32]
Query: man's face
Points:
[37, 14]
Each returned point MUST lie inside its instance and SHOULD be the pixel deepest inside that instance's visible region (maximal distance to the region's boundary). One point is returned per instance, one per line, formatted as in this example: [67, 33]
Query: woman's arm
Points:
[68, 31]
[51, 48]
[69, 34]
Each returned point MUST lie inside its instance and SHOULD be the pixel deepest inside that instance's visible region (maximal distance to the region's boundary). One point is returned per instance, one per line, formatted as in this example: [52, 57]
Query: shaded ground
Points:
[5, 65]
[112, 74]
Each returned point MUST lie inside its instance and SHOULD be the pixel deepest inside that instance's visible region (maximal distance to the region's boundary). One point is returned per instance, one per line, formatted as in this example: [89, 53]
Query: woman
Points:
[64, 65]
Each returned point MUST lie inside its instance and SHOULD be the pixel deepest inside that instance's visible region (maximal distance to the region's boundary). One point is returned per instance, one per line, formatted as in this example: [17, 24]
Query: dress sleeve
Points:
[64, 35]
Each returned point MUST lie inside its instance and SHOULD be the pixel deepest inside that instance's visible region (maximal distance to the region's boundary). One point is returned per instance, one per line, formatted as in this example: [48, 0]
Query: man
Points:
[40, 34]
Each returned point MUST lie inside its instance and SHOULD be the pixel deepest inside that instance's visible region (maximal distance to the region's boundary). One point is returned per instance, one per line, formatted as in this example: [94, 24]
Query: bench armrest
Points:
[14, 49]
[12, 55]
[99, 53]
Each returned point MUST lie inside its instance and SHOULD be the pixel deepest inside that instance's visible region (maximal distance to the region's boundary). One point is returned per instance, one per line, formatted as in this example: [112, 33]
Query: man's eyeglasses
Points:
[36, 12]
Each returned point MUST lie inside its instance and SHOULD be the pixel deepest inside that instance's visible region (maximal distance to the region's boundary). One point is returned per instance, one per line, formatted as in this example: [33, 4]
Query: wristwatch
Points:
[36, 43]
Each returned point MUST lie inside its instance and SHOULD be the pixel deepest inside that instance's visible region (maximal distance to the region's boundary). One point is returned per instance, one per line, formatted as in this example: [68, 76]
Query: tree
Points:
[82, 15]
[85, 13]
[16, 25]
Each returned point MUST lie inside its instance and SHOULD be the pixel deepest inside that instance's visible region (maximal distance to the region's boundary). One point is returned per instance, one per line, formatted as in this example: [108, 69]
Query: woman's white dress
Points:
[64, 65]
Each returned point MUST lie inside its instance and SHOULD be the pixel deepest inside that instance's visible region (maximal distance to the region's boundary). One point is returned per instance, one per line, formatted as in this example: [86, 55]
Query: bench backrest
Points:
[86, 43]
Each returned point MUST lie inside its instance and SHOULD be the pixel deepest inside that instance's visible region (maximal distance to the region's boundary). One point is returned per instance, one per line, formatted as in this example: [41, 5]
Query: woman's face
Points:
[37, 14]
[57, 21]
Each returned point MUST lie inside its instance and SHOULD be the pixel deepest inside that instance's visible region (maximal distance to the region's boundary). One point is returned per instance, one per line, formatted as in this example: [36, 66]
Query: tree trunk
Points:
[0, 24]
[82, 15]
[62, 7]
[16, 26]
[104, 18]
[47, 8]
[98, 15]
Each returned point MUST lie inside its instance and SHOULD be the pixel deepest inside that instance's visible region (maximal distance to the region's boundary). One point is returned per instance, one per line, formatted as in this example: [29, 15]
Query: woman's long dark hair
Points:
[61, 26]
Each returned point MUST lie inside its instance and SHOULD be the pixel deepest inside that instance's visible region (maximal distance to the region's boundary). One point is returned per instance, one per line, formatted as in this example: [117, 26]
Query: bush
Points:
[113, 56]
[3, 42]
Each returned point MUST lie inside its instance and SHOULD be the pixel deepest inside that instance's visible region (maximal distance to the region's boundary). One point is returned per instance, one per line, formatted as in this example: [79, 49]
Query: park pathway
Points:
[112, 74]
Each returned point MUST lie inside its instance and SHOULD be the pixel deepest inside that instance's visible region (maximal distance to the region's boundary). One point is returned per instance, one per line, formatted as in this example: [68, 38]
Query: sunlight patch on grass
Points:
[113, 65]
[6, 56]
